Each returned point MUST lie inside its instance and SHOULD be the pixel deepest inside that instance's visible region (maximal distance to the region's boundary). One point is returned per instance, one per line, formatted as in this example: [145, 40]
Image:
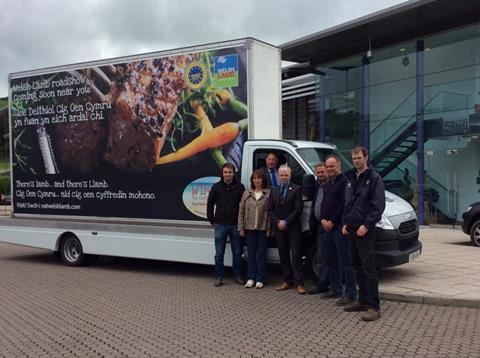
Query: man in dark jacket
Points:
[284, 209]
[224, 198]
[317, 231]
[364, 206]
[341, 275]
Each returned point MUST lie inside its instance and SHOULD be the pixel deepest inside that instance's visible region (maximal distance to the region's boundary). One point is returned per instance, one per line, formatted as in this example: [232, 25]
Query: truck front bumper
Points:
[394, 248]
[389, 258]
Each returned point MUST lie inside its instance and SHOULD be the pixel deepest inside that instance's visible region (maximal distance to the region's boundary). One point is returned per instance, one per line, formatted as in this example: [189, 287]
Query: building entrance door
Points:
[452, 168]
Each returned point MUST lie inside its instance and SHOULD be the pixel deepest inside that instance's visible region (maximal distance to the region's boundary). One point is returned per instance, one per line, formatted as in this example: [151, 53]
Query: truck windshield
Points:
[313, 156]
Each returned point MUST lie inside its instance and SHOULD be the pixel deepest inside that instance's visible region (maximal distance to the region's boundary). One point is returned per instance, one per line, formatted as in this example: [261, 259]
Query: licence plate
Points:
[414, 255]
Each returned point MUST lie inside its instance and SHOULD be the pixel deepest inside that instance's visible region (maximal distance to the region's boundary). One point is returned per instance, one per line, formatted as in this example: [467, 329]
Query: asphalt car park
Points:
[141, 308]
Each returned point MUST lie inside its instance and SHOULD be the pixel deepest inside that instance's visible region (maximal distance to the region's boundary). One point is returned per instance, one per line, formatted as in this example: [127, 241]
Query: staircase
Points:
[403, 142]
[396, 149]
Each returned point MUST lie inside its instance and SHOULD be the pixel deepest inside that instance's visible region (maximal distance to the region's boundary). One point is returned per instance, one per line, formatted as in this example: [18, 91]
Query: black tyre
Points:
[71, 251]
[475, 233]
[309, 262]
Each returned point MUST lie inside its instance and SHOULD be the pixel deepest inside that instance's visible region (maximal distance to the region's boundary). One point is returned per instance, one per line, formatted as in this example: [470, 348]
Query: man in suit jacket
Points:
[285, 207]
[270, 170]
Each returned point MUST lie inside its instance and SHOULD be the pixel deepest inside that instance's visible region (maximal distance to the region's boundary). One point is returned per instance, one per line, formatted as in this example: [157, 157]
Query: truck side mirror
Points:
[308, 187]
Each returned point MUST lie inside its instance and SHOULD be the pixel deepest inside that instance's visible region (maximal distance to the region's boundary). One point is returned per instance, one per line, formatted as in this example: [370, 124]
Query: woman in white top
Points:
[254, 224]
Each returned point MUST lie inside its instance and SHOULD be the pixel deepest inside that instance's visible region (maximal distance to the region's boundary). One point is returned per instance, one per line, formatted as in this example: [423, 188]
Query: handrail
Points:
[393, 111]
[406, 98]
[430, 178]
[407, 123]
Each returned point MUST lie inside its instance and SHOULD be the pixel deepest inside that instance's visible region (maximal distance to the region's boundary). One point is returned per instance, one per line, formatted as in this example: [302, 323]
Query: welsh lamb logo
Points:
[226, 71]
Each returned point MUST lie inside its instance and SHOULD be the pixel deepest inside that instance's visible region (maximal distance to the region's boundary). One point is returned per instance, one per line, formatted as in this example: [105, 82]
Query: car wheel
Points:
[475, 233]
[71, 251]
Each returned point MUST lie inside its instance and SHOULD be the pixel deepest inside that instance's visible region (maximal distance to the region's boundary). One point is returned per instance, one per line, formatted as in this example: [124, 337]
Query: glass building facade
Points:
[415, 106]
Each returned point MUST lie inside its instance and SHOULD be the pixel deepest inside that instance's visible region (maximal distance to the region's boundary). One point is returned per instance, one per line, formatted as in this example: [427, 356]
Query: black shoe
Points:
[356, 307]
[239, 280]
[330, 294]
[315, 290]
[218, 282]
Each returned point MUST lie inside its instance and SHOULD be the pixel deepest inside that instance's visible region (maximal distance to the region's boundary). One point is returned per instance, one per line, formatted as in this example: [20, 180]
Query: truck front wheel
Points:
[71, 251]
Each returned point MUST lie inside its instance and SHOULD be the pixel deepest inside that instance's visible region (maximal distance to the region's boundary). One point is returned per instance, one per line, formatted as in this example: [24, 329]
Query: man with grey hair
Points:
[285, 207]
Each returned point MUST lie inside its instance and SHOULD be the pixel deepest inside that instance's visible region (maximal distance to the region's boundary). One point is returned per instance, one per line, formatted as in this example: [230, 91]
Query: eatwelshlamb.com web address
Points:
[56, 206]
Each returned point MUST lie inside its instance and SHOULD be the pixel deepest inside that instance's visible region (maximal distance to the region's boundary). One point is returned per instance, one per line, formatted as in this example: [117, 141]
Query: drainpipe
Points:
[420, 134]
[320, 92]
[365, 122]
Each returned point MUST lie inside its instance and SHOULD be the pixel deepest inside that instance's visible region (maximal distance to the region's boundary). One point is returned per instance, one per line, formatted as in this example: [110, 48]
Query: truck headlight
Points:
[385, 223]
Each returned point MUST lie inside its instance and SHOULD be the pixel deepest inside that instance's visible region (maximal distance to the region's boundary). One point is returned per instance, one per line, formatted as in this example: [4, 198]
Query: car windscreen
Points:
[313, 156]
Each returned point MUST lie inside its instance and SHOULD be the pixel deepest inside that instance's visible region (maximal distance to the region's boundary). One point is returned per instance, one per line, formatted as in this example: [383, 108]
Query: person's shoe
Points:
[356, 307]
[218, 282]
[300, 290]
[283, 287]
[344, 301]
[259, 285]
[330, 294]
[371, 315]
[250, 284]
[315, 290]
[239, 280]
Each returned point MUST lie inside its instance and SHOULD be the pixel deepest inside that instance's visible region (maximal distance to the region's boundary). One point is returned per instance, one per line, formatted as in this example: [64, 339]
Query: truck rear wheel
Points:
[311, 262]
[71, 251]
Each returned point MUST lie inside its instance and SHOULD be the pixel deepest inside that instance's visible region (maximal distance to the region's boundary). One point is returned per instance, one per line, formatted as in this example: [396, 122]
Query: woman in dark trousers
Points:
[254, 225]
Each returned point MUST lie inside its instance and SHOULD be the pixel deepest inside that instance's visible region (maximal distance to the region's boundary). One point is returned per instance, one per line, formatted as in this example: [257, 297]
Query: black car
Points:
[471, 223]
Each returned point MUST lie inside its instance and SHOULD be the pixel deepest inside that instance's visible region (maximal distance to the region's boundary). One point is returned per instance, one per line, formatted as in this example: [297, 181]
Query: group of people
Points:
[345, 208]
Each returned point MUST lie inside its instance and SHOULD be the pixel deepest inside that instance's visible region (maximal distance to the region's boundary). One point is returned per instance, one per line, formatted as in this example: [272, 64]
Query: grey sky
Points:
[36, 34]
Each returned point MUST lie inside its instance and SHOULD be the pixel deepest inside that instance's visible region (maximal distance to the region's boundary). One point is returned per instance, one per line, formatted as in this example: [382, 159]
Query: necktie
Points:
[274, 178]
[283, 192]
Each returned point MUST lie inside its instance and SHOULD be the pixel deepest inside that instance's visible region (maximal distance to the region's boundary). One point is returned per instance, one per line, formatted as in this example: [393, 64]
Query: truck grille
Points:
[408, 226]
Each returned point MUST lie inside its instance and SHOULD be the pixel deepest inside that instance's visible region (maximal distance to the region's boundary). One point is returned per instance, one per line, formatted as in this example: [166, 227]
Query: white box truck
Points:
[117, 157]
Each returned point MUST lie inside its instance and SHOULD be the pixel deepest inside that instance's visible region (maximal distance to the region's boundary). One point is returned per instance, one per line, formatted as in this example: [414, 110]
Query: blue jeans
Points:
[223, 231]
[341, 275]
[257, 251]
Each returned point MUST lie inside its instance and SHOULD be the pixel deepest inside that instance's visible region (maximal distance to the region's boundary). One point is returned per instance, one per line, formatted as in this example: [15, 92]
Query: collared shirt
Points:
[273, 176]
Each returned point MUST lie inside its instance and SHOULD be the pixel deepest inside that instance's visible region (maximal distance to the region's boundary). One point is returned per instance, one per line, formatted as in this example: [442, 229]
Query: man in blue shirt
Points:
[270, 169]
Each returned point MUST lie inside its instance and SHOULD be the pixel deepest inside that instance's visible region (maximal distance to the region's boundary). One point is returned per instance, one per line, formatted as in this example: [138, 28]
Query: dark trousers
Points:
[341, 275]
[320, 261]
[363, 261]
[292, 270]
[257, 255]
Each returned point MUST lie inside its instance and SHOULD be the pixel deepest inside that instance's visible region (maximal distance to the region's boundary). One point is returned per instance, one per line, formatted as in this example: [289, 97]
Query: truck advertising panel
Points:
[129, 139]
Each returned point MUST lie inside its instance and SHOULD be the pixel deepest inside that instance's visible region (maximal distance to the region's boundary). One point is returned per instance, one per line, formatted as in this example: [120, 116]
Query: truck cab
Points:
[396, 233]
